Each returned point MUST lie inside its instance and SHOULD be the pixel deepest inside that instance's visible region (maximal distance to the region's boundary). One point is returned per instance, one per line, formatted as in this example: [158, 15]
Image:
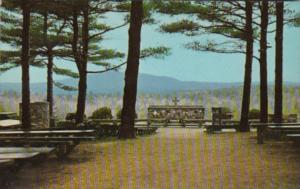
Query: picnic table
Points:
[46, 132]
[286, 128]
[18, 155]
[294, 137]
[210, 127]
[9, 124]
[62, 140]
[42, 150]
[11, 159]
[7, 115]
[277, 128]
[278, 125]
[6, 162]
[21, 154]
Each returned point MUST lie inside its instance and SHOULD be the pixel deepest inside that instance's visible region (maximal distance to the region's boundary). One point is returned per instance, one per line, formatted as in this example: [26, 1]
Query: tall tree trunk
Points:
[244, 125]
[263, 68]
[132, 69]
[26, 117]
[82, 87]
[50, 82]
[49, 66]
[278, 62]
[263, 63]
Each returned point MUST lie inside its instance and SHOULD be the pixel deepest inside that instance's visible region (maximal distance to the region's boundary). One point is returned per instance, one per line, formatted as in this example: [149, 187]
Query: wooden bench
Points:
[278, 128]
[19, 158]
[109, 128]
[221, 119]
[63, 140]
[46, 132]
[294, 137]
[116, 122]
[9, 124]
[42, 150]
[210, 128]
[5, 163]
[8, 115]
[286, 129]
[145, 130]
[11, 155]
[12, 159]
[5, 170]
[16, 156]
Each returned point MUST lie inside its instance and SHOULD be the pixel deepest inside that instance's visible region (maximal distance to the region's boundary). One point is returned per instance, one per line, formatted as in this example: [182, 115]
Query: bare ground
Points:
[173, 158]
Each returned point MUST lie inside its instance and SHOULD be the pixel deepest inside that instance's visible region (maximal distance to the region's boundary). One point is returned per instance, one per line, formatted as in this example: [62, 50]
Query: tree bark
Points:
[244, 125]
[82, 87]
[263, 67]
[50, 82]
[132, 69]
[278, 62]
[26, 117]
[49, 67]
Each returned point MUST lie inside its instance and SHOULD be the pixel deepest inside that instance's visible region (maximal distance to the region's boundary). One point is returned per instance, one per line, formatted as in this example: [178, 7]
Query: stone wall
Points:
[39, 114]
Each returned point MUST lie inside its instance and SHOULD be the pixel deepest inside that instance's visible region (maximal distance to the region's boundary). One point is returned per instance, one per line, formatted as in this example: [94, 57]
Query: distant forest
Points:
[229, 97]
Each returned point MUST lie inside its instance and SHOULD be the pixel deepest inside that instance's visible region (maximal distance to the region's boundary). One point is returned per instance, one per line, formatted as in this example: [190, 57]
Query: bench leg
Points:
[260, 135]
[63, 150]
[166, 124]
[209, 130]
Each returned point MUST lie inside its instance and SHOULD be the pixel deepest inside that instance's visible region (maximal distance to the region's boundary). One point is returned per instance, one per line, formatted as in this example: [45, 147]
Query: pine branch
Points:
[107, 30]
[7, 67]
[155, 52]
[214, 47]
[64, 87]
[65, 72]
[108, 69]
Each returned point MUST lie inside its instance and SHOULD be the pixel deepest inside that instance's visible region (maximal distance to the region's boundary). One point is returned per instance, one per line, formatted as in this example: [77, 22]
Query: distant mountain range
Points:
[113, 82]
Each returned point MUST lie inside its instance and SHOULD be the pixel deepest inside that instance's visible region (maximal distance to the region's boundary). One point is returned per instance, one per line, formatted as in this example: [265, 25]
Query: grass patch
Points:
[174, 158]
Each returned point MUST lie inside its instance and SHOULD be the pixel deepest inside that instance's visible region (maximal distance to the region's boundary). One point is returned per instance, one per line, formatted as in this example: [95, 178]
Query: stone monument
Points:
[39, 114]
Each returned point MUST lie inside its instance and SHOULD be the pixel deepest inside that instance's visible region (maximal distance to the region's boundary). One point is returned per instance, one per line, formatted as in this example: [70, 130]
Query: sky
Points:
[188, 65]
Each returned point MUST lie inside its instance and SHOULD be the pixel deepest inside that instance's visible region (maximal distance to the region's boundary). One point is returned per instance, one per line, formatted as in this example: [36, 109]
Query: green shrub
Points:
[119, 112]
[102, 113]
[72, 116]
[226, 110]
[65, 124]
[254, 114]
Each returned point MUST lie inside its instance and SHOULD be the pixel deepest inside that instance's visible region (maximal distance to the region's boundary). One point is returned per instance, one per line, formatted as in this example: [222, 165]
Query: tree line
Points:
[41, 32]
[241, 23]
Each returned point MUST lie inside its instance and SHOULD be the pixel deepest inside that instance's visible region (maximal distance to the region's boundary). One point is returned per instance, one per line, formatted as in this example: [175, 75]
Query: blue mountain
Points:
[113, 82]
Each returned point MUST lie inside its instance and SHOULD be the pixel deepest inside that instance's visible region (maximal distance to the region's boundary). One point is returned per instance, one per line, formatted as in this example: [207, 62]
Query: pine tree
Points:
[278, 61]
[86, 34]
[244, 127]
[232, 20]
[25, 8]
[47, 32]
[263, 62]
[131, 74]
